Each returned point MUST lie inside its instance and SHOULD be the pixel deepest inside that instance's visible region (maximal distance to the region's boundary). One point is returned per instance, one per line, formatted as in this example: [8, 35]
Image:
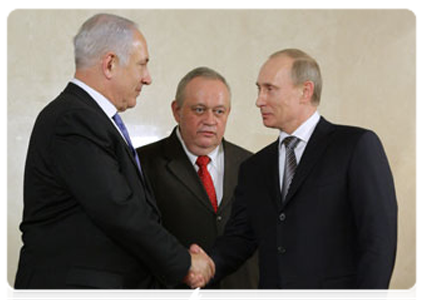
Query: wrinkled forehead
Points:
[201, 89]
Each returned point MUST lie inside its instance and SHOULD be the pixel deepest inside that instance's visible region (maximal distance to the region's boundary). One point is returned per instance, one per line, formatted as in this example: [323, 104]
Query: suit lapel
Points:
[273, 182]
[181, 168]
[88, 100]
[315, 148]
[229, 175]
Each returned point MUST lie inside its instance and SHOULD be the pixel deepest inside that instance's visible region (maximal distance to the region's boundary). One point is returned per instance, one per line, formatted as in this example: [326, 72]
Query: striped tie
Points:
[290, 163]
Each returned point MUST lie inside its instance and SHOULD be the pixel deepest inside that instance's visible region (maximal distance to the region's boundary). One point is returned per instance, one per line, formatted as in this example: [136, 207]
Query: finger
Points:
[213, 267]
[198, 281]
[195, 249]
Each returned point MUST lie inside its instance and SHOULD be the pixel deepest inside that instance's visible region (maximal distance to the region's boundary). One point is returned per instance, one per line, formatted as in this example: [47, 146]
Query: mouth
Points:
[207, 133]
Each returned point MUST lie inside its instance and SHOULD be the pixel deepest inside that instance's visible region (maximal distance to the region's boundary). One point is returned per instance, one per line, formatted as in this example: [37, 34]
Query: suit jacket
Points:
[186, 209]
[337, 227]
[89, 219]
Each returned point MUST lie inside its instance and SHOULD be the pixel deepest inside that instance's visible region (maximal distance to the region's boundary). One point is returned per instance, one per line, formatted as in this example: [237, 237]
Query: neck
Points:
[91, 78]
[200, 151]
[291, 127]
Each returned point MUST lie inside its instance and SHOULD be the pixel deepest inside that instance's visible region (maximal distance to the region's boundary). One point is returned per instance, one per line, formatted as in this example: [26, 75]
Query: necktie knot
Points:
[291, 142]
[203, 160]
[118, 120]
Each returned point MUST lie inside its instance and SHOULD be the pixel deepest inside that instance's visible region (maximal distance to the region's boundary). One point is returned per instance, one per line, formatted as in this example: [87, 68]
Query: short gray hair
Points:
[100, 34]
[203, 72]
[304, 68]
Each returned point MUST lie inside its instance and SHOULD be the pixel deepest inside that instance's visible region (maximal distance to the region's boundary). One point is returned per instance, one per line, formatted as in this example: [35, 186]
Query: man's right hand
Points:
[202, 268]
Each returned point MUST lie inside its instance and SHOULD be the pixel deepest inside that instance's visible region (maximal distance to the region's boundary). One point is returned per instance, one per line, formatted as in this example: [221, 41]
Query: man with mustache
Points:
[194, 171]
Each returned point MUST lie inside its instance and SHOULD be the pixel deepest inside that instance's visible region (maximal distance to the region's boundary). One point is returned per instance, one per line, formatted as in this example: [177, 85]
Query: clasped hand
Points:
[202, 268]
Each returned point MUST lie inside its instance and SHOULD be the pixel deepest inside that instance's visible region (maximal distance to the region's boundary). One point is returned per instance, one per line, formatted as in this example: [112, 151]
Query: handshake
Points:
[202, 268]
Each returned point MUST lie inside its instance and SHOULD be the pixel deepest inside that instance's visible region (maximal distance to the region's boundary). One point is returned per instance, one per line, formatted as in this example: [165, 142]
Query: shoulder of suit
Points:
[69, 109]
[152, 146]
[349, 137]
[237, 150]
[351, 133]
[267, 153]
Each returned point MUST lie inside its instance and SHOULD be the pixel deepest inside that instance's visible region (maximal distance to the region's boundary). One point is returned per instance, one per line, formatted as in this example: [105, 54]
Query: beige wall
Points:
[367, 59]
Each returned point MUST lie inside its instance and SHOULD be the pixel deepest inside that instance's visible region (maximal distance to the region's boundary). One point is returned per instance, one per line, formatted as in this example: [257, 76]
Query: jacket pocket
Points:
[339, 286]
[94, 279]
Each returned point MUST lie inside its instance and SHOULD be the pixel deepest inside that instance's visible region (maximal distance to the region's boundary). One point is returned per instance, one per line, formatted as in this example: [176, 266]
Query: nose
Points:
[260, 99]
[209, 117]
[146, 78]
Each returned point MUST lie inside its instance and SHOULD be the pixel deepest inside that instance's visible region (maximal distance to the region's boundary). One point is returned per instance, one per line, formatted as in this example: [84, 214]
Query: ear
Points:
[307, 91]
[109, 63]
[175, 110]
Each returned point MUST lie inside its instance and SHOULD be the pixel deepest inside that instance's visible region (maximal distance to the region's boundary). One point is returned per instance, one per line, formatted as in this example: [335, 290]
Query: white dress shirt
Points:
[107, 106]
[216, 166]
[303, 133]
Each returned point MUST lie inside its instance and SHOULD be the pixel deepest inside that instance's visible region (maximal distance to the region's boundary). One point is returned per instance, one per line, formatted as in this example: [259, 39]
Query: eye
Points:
[219, 111]
[198, 110]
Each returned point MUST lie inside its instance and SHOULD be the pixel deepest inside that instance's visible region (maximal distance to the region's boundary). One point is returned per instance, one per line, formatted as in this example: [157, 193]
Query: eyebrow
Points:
[203, 105]
[266, 84]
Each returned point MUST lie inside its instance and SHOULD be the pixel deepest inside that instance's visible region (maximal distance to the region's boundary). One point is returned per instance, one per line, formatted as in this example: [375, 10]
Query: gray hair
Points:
[100, 34]
[203, 72]
[304, 68]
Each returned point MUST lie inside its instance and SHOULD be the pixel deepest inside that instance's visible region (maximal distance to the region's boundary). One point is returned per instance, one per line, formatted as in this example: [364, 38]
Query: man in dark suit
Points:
[319, 203]
[201, 110]
[90, 220]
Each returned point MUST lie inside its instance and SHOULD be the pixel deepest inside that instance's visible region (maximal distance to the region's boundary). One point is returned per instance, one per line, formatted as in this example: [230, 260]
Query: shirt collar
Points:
[105, 104]
[192, 157]
[304, 132]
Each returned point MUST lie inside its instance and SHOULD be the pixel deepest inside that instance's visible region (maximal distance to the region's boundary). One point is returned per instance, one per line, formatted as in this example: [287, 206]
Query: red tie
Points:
[202, 162]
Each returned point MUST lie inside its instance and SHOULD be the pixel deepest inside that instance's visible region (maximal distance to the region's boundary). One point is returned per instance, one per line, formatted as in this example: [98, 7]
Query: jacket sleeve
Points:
[238, 243]
[374, 205]
[87, 163]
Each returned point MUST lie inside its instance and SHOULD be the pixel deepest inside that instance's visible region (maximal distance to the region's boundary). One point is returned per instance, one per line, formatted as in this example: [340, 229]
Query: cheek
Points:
[190, 123]
[221, 126]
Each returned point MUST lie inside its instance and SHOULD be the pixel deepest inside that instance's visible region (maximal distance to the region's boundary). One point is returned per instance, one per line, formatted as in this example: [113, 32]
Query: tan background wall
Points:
[367, 59]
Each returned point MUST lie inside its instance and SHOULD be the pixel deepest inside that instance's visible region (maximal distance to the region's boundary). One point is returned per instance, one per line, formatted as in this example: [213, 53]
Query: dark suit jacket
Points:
[337, 227]
[89, 218]
[186, 209]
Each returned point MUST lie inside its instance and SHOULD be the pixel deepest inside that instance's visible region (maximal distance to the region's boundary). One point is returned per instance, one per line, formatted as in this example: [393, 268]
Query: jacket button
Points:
[281, 250]
[282, 217]
[219, 218]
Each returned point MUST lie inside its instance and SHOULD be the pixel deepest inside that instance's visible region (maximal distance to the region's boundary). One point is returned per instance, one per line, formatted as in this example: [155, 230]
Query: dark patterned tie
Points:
[122, 128]
[290, 143]
[202, 162]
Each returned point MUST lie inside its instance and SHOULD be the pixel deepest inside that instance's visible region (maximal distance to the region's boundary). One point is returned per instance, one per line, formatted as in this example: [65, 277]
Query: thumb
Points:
[196, 249]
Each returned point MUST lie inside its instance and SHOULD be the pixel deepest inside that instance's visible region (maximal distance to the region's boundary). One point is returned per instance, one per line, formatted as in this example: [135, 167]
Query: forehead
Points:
[205, 87]
[274, 69]
[140, 45]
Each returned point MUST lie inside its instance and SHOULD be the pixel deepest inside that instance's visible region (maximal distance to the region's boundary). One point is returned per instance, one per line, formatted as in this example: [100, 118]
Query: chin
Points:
[269, 124]
[207, 144]
[132, 104]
